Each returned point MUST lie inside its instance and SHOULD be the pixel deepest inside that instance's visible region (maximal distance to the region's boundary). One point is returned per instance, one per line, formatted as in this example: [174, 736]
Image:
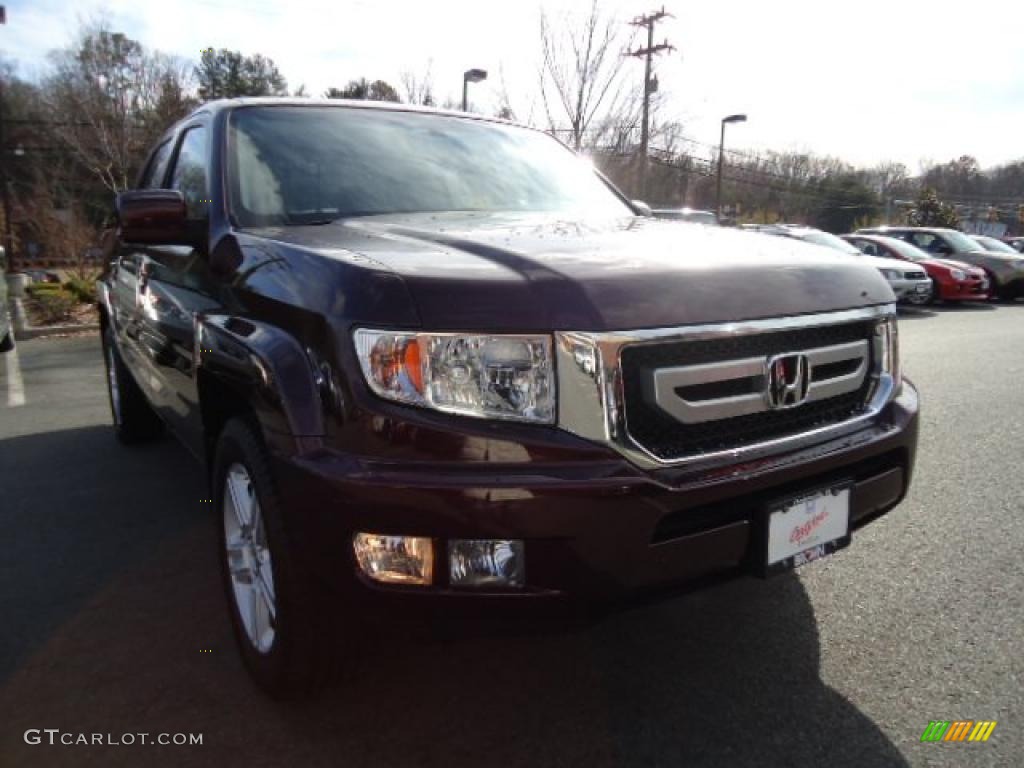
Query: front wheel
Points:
[995, 291]
[281, 617]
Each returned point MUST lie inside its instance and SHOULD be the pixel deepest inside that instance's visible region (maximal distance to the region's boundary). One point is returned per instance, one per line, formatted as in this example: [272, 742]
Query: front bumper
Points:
[597, 531]
[972, 289]
[911, 290]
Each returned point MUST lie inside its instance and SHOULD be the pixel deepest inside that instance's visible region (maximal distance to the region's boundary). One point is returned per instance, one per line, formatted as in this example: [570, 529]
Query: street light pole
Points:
[5, 190]
[470, 76]
[8, 224]
[721, 158]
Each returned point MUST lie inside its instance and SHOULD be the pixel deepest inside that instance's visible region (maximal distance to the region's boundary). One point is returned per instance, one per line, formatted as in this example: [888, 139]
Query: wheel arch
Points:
[259, 372]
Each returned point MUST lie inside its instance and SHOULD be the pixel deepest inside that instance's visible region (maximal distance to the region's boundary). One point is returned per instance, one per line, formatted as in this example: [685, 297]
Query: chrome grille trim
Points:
[590, 389]
[663, 383]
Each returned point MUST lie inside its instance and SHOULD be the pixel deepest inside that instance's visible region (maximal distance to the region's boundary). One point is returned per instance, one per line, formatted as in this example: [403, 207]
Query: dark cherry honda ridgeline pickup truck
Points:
[437, 366]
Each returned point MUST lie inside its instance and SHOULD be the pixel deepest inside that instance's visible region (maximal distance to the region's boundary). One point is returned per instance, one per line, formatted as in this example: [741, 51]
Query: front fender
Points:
[266, 365]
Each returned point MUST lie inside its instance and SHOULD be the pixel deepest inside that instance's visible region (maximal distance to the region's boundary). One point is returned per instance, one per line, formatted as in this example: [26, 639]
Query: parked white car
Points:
[909, 282]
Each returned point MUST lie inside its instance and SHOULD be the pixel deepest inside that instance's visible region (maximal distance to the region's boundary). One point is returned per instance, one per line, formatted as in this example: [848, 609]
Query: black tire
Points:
[133, 417]
[936, 297]
[995, 291]
[7, 342]
[305, 652]
[1007, 294]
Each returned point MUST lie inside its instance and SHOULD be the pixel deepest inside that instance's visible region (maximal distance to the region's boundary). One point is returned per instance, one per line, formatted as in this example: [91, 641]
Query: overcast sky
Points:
[870, 80]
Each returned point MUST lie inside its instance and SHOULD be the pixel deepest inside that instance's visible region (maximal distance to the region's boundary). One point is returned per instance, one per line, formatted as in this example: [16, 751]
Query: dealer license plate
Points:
[922, 288]
[807, 528]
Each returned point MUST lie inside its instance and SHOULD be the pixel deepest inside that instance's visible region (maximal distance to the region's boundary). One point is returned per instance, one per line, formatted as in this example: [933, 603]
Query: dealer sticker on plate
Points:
[807, 528]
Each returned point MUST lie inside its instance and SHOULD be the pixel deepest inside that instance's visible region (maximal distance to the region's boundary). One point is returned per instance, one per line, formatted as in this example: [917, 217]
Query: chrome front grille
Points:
[666, 416]
[707, 393]
[726, 389]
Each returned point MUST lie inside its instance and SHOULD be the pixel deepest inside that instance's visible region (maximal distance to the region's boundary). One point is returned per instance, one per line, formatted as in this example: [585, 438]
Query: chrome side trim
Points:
[667, 380]
[822, 389]
[591, 401]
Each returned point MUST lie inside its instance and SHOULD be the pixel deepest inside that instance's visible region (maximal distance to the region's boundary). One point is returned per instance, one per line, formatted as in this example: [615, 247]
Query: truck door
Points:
[128, 258]
[174, 284]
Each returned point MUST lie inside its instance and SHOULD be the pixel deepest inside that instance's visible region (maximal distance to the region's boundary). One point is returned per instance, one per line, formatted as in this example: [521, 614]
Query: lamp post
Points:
[721, 157]
[5, 192]
[470, 76]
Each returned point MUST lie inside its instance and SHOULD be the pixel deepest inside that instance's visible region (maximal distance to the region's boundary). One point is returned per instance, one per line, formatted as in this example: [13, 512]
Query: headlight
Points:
[890, 274]
[958, 274]
[495, 377]
[888, 349]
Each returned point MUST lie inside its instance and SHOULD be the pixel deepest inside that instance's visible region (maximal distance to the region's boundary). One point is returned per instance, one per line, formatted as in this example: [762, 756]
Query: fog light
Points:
[486, 563]
[395, 559]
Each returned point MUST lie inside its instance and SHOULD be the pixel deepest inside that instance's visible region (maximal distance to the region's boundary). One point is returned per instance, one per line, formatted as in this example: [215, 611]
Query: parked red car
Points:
[951, 280]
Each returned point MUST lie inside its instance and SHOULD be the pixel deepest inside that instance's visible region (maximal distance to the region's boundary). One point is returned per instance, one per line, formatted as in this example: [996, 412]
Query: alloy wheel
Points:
[248, 559]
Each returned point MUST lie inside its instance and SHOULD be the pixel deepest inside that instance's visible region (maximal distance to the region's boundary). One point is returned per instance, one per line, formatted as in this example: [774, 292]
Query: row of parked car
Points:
[922, 264]
[947, 265]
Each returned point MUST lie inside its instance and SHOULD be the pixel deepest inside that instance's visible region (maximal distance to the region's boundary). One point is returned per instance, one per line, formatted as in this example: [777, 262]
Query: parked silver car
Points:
[687, 214]
[909, 282]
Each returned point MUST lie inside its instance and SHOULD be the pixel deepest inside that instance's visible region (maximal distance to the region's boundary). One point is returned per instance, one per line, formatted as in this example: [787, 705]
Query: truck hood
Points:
[541, 272]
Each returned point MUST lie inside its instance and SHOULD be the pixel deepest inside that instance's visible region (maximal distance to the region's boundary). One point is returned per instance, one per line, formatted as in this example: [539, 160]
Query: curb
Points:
[23, 331]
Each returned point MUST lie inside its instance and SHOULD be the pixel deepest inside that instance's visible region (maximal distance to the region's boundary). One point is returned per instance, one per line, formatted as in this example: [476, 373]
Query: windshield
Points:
[824, 238]
[906, 250]
[960, 241]
[300, 165]
[991, 244]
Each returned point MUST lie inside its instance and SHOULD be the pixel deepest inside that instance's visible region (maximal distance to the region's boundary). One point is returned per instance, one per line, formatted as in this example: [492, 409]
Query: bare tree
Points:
[890, 176]
[581, 69]
[419, 89]
[107, 99]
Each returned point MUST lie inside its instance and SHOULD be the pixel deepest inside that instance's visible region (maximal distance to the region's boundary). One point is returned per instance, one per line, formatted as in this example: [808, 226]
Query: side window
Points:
[154, 176]
[866, 246]
[924, 241]
[190, 172]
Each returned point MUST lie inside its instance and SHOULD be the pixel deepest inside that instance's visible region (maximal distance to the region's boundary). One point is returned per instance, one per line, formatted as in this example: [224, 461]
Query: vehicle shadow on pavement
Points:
[119, 626]
[81, 510]
[724, 677]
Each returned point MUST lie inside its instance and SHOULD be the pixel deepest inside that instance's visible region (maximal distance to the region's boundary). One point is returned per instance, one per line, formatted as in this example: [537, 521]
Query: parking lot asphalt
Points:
[113, 621]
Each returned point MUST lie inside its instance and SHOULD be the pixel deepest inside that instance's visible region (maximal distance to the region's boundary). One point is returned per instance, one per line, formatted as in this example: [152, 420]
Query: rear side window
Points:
[925, 241]
[154, 177]
[190, 172]
[868, 247]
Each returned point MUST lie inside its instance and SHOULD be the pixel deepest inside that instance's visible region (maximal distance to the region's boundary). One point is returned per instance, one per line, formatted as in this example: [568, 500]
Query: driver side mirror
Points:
[153, 217]
[642, 208]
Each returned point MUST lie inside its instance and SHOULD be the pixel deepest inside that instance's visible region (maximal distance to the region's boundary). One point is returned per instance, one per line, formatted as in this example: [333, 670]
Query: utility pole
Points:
[650, 84]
